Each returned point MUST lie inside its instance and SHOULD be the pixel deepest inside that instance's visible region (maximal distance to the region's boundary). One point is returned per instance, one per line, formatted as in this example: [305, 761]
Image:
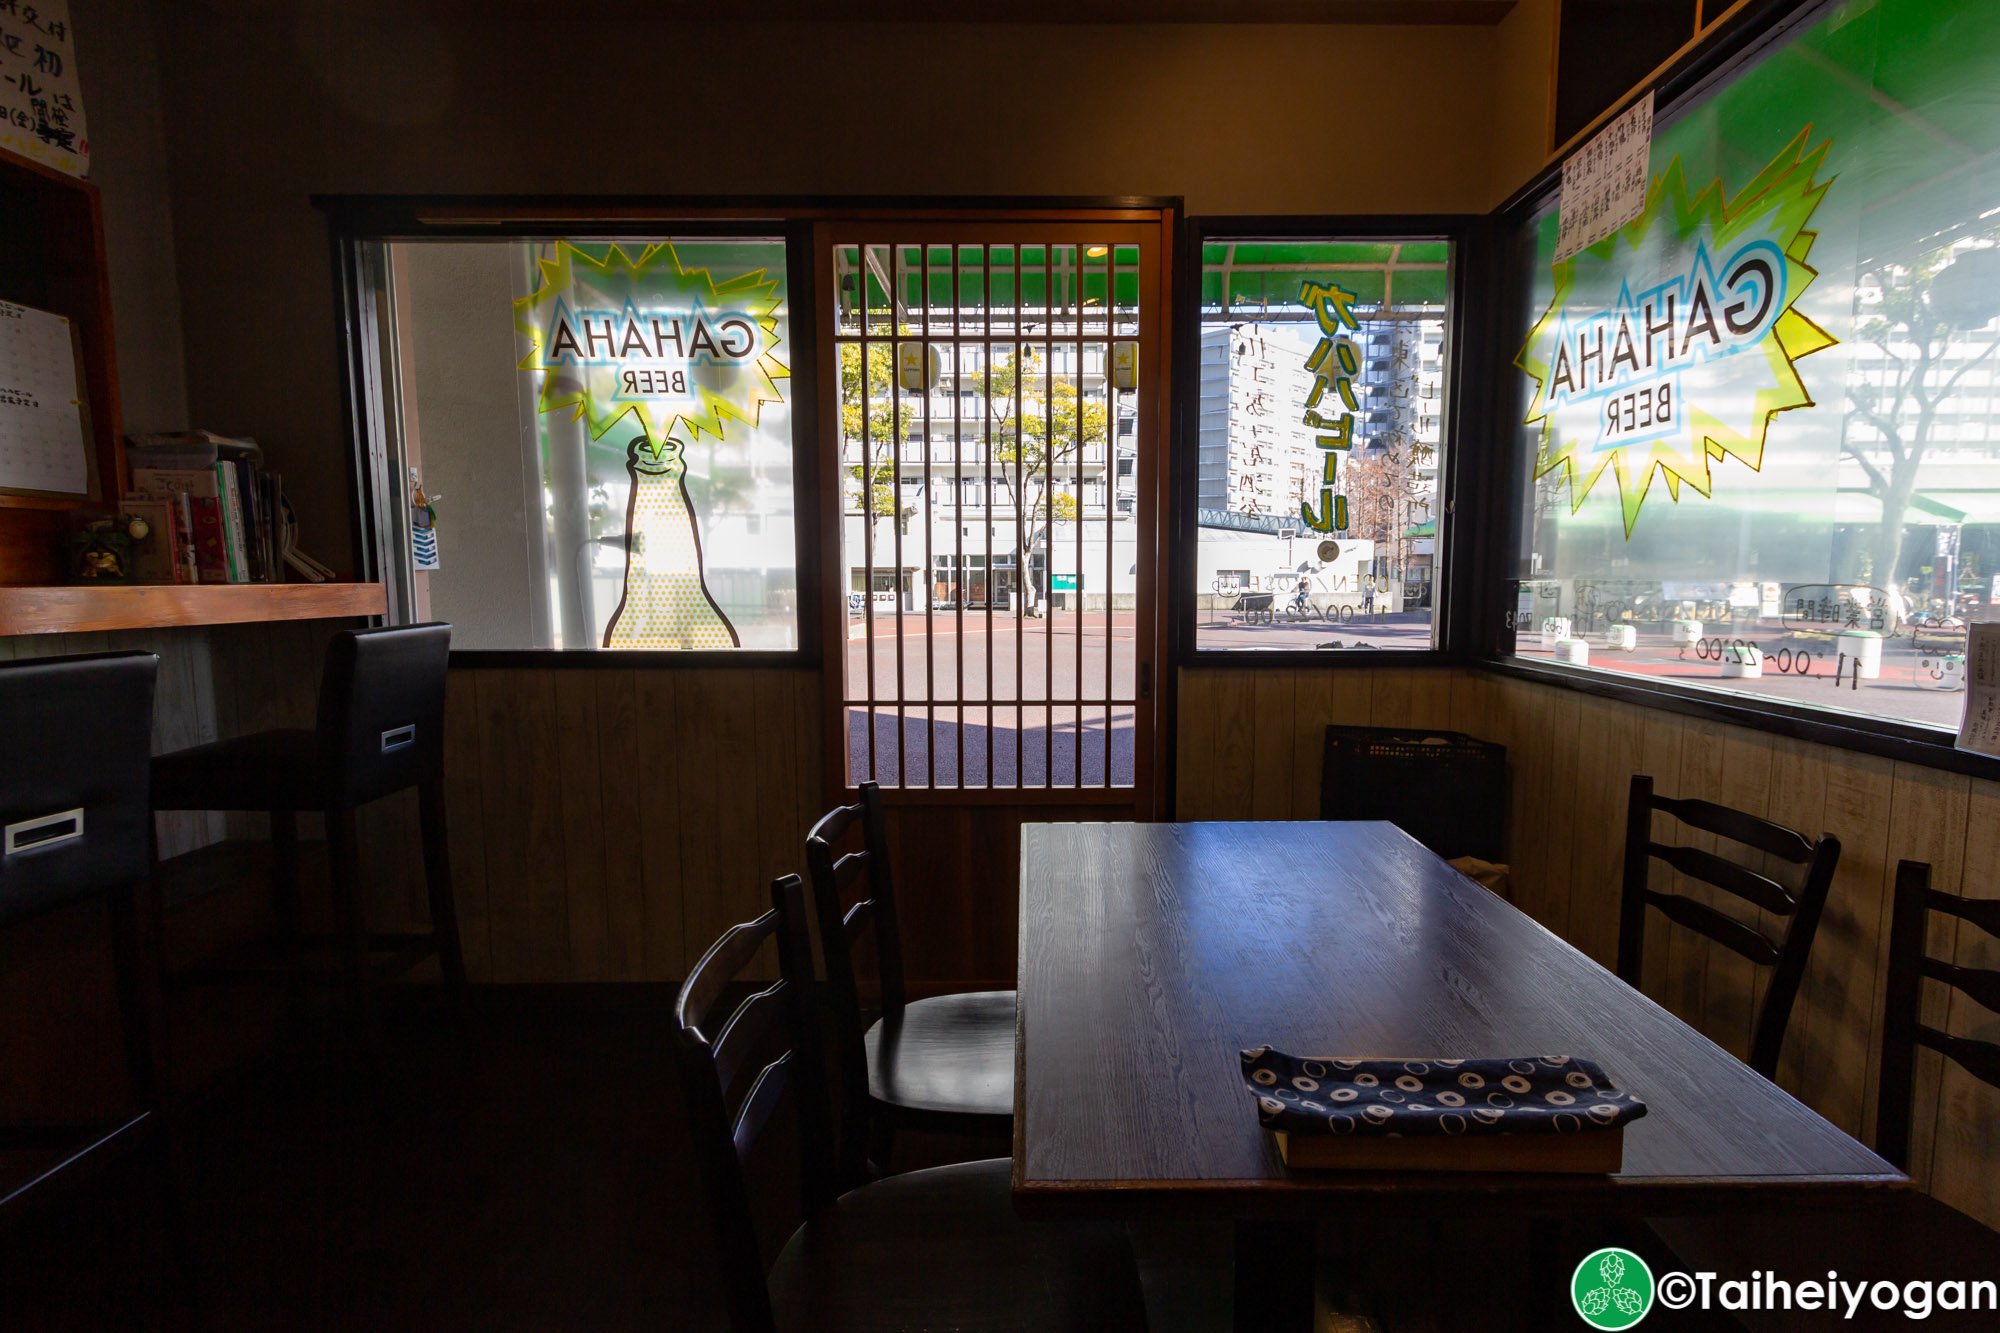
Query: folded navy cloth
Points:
[1531, 1094]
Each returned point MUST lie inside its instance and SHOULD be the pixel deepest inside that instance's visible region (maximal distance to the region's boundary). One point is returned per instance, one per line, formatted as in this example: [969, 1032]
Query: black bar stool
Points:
[75, 734]
[381, 730]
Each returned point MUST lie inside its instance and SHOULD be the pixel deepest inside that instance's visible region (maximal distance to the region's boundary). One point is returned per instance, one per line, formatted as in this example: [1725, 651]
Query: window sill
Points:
[1906, 742]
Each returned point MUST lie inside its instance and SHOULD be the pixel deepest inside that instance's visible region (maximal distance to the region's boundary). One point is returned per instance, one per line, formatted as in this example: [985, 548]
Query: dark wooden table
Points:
[1151, 954]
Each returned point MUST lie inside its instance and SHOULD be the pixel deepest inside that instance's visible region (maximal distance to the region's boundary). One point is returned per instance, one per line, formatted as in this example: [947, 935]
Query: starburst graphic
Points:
[613, 335]
[1697, 293]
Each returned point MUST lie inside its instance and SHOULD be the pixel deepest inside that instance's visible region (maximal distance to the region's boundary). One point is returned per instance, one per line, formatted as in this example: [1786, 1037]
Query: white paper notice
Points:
[1604, 182]
[41, 424]
[41, 103]
[1981, 729]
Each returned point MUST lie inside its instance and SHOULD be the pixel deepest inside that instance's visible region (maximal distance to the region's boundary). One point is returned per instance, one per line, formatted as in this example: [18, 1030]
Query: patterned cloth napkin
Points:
[1546, 1094]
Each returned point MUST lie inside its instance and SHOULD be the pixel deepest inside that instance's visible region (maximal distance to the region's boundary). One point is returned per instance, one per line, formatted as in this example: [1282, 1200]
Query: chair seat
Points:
[266, 770]
[944, 1249]
[1904, 1237]
[949, 1058]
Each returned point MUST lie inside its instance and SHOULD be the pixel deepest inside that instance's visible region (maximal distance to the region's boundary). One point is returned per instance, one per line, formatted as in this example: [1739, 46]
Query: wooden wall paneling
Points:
[1394, 702]
[715, 731]
[580, 767]
[1660, 760]
[1798, 801]
[1312, 709]
[1194, 747]
[1532, 713]
[1430, 699]
[1233, 705]
[1560, 813]
[1350, 702]
[1965, 1139]
[666, 944]
[1844, 984]
[1611, 737]
[465, 819]
[1275, 727]
[1687, 952]
[1733, 983]
[780, 835]
[525, 851]
[619, 781]
[1927, 812]
[937, 878]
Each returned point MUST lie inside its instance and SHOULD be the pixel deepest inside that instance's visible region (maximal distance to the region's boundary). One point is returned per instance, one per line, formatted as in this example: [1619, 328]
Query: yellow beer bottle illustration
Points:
[665, 602]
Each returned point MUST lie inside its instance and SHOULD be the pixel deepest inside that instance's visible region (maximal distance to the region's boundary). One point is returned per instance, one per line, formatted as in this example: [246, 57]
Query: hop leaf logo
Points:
[1612, 1289]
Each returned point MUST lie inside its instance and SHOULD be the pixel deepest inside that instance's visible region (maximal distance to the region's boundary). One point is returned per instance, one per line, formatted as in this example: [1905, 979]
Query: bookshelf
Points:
[85, 609]
[52, 258]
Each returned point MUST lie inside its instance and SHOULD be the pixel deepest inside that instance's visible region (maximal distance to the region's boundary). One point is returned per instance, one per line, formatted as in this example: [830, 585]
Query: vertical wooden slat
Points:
[1733, 984]
[580, 763]
[1273, 726]
[1235, 707]
[719, 784]
[618, 786]
[1687, 952]
[1798, 801]
[1194, 767]
[1661, 761]
[465, 819]
[522, 806]
[1612, 740]
[1561, 812]
[657, 782]
[1312, 707]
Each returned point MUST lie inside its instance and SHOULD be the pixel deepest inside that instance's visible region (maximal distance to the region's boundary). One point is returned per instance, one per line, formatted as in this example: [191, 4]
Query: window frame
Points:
[1459, 541]
[1678, 88]
[357, 223]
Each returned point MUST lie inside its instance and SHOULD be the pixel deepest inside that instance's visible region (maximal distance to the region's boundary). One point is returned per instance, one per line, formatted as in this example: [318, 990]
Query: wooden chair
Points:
[936, 1249]
[943, 1065]
[75, 735]
[1786, 957]
[381, 730]
[1903, 1028]
[1907, 1235]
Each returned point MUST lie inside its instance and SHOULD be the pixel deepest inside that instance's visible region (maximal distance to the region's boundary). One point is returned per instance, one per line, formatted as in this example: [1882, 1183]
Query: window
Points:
[1777, 477]
[1320, 453]
[1019, 665]
[605, 429]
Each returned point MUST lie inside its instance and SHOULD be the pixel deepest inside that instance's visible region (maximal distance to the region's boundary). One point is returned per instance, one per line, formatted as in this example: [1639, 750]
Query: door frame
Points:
[1155, 224]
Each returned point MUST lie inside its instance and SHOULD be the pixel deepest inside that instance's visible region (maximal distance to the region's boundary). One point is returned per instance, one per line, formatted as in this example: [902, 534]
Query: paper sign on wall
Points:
[1604, 182]
[41, 102]
[1981, 729]
[41, 426]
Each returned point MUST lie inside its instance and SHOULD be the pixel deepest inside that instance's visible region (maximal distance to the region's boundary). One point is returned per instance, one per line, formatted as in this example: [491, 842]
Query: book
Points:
[189, 564]
[201, 487]
[230, 501]
[156, 557]
[1589, 1152]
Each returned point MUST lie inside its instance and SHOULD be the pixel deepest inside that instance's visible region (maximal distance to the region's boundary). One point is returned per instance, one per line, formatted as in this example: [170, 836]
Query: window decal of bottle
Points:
[666, 603]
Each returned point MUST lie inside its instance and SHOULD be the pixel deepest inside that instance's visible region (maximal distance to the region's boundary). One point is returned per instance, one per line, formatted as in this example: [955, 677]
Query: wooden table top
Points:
[1151, 954]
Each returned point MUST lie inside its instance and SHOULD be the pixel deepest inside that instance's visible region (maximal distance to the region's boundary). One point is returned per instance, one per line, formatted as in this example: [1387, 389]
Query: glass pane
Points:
[1780, 476]
[1320, 447]
[605, 430]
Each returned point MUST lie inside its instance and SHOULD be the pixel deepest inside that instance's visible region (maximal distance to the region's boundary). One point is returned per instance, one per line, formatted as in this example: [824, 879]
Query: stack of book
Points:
[217, 515]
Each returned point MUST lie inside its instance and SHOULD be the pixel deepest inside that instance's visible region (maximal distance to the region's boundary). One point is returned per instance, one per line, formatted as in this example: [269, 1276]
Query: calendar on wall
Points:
[44, 446]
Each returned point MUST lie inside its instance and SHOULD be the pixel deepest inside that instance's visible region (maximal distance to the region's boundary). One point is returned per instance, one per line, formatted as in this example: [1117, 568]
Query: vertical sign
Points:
[1981, 729]
[1604, 182]
[41, 103]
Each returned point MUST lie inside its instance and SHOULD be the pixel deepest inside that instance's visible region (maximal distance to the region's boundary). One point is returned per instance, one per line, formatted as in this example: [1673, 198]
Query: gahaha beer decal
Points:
[674, 355]
[1668, 346]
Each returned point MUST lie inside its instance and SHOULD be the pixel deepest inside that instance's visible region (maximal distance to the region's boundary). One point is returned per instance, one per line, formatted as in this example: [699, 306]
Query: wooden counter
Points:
[71, 610]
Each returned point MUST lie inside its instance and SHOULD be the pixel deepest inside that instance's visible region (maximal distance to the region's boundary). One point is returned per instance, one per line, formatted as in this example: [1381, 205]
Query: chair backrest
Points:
[1903, 1029]
[1785, 956]
[76, 739]
[381, 709]
[731, 1100]
[841, 927]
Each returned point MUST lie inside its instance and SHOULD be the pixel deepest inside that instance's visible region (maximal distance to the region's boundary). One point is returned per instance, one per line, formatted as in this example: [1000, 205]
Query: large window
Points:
[1760, 421]
[602, 430]
[1320, 443]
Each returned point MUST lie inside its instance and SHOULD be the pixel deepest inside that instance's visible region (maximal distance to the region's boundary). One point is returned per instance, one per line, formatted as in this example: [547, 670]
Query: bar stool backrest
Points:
[1903, 1028]
[76, 738]
[381, 710]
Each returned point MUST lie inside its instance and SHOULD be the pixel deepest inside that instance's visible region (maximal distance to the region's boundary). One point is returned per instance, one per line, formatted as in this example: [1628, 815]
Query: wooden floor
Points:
[520, 1166]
